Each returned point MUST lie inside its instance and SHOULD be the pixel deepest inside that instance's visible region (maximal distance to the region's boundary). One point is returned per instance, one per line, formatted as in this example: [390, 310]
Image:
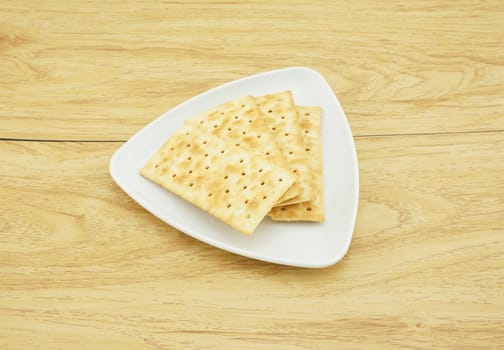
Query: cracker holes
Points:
[227, 191]
[189, 158]
[236, 117]
[156, 166]
[191, 184]
[307, 114]
[309, 209]
[283, 209]
[202, 122]
[248, 216]
[229, 129]
[188, 133]
[221, 113]
[282, 117]
[246, 201]
[265, 197]
[237, 145]
[291, 152]
[204, 142]
[273, 129]
[216, 126]
[174, 175]
[190, 171]
[295, 171]
[269, 111]
[226, 177]
[171, 148]
[244, 133]
[260, 170]
[241, 160]
[188, 145]
[262, 183]
[222, 151]
[307, 149]
[229, 205]
[258, 136]
[206, 154]
[207, 167]
[286, 134]
[250, 121]
[245, 187]
[267, 153]
[243, 174]
[306, 131]
[210, 194]
[242, 106]
[280, 180]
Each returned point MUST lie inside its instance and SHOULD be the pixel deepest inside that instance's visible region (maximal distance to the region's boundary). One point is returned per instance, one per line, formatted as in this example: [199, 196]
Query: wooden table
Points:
[84, 267]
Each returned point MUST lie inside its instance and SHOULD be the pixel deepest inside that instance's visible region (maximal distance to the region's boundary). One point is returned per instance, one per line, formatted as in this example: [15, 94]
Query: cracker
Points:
[241, 122]
[310, 120]
[229, 182]
[281, 117]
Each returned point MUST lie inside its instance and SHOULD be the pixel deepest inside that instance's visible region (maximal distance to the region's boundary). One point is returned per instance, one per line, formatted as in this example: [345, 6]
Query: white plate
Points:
[293, 243]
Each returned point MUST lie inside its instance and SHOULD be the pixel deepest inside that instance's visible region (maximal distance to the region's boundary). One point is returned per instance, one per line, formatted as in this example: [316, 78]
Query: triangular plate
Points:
[289, 243]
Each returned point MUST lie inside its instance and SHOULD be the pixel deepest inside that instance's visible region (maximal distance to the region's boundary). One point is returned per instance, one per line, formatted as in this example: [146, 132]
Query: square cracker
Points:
[241, 122]
[282, 119]
[231, 183]
[310, 120]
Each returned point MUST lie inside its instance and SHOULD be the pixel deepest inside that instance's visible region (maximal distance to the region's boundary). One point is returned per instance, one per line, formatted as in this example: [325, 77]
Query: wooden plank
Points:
[82, 266]
[101, 70]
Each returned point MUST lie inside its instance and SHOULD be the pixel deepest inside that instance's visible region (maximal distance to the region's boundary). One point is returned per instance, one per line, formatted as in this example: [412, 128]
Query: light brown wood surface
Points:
[82, 266]
[101, 70]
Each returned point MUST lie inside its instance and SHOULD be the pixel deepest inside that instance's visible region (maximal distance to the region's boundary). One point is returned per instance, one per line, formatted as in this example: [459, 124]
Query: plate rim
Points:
[238, 250]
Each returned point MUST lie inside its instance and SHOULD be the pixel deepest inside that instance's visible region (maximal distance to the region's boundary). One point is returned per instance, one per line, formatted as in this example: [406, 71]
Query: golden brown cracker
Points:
[240, 122]
[281, 117]
[229, 182]
[310, 120]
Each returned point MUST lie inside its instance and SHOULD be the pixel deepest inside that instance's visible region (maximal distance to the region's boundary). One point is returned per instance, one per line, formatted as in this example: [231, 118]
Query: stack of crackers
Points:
[245, 159]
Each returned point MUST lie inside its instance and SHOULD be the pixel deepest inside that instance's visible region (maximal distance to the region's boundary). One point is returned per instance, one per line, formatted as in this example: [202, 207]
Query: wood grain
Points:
[92, 70]
[83, 267]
